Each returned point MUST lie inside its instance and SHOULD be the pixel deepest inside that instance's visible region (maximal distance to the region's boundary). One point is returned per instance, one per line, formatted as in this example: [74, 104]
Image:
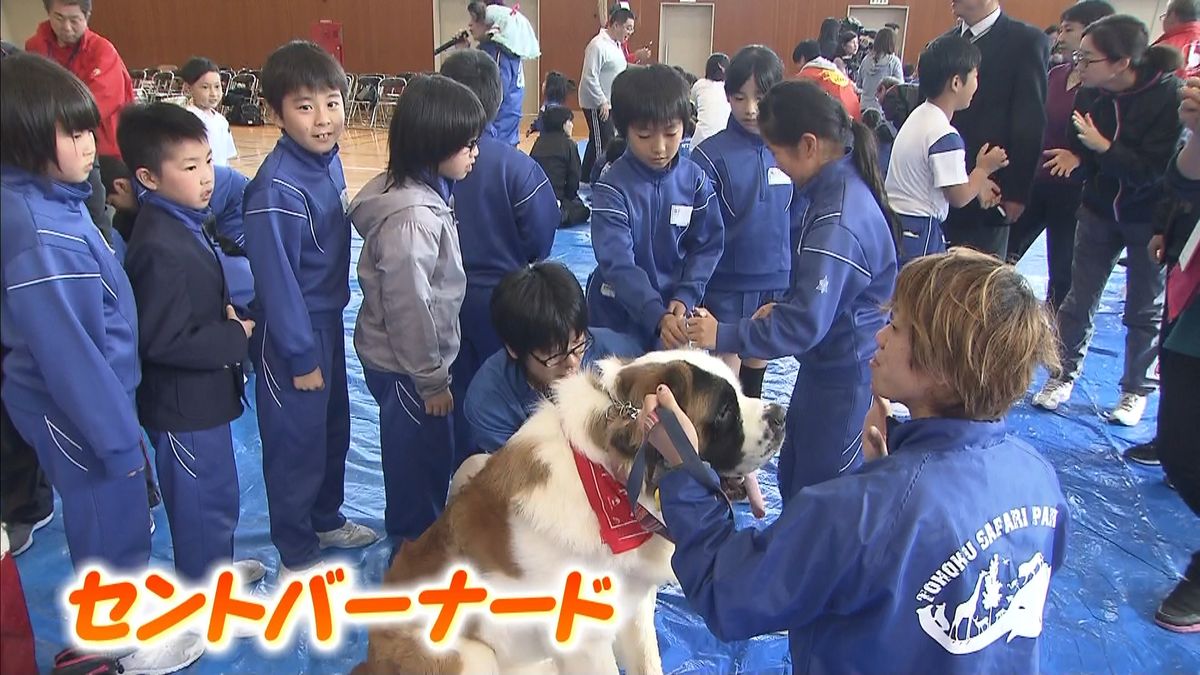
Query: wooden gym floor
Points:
[364, 151]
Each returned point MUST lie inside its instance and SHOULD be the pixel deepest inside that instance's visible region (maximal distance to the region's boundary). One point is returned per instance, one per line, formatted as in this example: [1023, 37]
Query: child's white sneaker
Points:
[250, 571]
[1053, 394]
[168, 656]
[349, 535]
[1128, 411]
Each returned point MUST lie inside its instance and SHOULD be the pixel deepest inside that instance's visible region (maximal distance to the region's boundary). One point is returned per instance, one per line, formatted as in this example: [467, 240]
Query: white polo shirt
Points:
[928, 155]
[220, 139]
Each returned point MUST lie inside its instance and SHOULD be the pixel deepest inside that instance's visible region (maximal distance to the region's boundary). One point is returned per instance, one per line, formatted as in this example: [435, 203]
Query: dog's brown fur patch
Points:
[473, 527]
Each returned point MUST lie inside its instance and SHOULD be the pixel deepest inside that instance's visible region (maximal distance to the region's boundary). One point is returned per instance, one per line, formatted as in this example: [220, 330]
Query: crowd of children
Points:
[778, 236]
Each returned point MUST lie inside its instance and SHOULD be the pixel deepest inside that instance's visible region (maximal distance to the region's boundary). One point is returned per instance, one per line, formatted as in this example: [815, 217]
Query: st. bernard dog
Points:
[523, 521]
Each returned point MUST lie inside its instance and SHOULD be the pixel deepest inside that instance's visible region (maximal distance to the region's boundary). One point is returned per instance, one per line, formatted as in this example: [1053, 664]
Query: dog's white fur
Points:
[554, 531]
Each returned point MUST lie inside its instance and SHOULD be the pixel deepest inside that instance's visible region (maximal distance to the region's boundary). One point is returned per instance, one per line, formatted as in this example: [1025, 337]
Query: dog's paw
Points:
[734, 487]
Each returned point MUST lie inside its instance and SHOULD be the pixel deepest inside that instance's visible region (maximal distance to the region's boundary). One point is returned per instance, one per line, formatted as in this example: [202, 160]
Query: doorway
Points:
[878, 16]
[450, 17]
[685, 35]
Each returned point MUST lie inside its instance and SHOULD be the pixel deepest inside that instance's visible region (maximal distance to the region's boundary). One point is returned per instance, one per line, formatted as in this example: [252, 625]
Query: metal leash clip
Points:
[623, 409]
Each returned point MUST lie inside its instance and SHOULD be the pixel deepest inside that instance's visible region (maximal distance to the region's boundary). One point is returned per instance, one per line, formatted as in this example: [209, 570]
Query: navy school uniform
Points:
[69, 319]
[298, 243]
[192, 383]
[935, 559]
[507, 215]
[657, 236]
[755, 197]
[407, 335]
[501, 399]
[843, 271]
[507, 125]
[226, 203]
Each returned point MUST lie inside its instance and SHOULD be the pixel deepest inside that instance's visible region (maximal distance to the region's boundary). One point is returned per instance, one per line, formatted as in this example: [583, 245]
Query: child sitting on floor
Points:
[558, 155]
[554, 95]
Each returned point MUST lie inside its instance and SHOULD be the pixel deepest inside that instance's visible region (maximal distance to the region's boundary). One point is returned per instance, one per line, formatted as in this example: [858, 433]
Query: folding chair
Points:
[363, 98]
[390, 89]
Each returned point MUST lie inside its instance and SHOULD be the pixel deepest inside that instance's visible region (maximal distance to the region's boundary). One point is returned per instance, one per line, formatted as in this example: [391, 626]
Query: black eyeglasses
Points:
[558, 359]
[1079, 58]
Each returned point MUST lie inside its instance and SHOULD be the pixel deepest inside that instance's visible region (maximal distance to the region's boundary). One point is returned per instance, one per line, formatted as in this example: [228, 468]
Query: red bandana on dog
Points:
[619, 529]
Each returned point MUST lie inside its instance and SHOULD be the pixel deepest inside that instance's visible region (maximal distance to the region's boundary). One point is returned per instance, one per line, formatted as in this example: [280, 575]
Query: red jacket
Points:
[1186, 39]
[836, 84]
[95, 61]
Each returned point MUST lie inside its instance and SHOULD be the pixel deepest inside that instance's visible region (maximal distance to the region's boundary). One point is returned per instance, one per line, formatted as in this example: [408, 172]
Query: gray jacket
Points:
[411, 274]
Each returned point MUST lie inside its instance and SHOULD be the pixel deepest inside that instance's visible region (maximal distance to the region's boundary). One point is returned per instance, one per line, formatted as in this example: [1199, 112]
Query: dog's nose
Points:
[775, 416]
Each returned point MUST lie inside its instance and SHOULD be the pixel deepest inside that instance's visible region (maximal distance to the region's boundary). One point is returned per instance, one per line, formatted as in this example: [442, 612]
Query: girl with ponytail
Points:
[1124, 131]
[843, 247]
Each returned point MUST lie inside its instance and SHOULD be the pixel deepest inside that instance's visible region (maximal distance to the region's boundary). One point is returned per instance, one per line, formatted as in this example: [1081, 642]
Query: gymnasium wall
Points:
[396, 35]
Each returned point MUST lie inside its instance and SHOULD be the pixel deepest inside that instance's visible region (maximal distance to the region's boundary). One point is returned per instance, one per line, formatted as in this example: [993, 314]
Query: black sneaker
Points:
[20, 535]
[1180, 612]
[1145, 454]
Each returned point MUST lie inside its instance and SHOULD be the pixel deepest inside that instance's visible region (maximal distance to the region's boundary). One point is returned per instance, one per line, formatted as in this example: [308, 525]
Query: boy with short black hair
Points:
[191, 340]
[542, 318]
[203, 79]
[507, 216]
[558, 155]
[227, 229]
[656, 229]
[956, 584]
[927, 173]
[298, 242]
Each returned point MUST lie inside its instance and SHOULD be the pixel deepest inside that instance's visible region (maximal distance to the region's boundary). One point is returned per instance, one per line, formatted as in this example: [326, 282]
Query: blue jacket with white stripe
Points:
[843, 271]
[298, 242]
[67, 315]
[657, 236]
[506, 211]
[755, 198]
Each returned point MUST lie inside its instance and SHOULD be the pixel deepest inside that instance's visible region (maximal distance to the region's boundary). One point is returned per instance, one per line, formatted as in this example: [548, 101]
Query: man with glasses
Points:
[1181, 30]
[540, 314]
[66, 39]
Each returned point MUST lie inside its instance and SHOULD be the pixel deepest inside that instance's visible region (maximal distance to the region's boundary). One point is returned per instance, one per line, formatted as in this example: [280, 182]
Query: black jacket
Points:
[1181, 214]
[1125, 184]
[1009, 109]
[191, 353]
[558, 155]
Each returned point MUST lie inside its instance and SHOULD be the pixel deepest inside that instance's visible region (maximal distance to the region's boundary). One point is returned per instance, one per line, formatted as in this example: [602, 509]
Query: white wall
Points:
[19, 19]
[1146, 10]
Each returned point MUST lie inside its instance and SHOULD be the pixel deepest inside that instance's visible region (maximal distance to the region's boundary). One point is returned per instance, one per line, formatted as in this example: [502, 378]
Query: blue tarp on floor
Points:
[1130, 534]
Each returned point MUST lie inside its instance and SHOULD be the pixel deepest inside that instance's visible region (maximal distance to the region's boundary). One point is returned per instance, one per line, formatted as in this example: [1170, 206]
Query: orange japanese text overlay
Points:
[110, 611]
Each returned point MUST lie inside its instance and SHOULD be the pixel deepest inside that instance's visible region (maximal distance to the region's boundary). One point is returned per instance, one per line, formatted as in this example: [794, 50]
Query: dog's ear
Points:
[636, 382]
[633, 384]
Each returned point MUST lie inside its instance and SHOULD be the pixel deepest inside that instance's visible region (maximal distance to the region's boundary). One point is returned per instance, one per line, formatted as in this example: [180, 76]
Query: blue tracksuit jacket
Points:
[755, 198]
[507, 125]
[298, 242]
[657, 236]
[68, 316]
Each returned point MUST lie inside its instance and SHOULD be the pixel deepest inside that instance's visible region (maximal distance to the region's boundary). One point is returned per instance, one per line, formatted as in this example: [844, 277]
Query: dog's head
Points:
[737, 434]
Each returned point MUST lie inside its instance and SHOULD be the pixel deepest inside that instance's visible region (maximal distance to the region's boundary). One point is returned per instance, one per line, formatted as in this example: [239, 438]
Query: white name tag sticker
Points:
[681, 215]
[775, 176]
